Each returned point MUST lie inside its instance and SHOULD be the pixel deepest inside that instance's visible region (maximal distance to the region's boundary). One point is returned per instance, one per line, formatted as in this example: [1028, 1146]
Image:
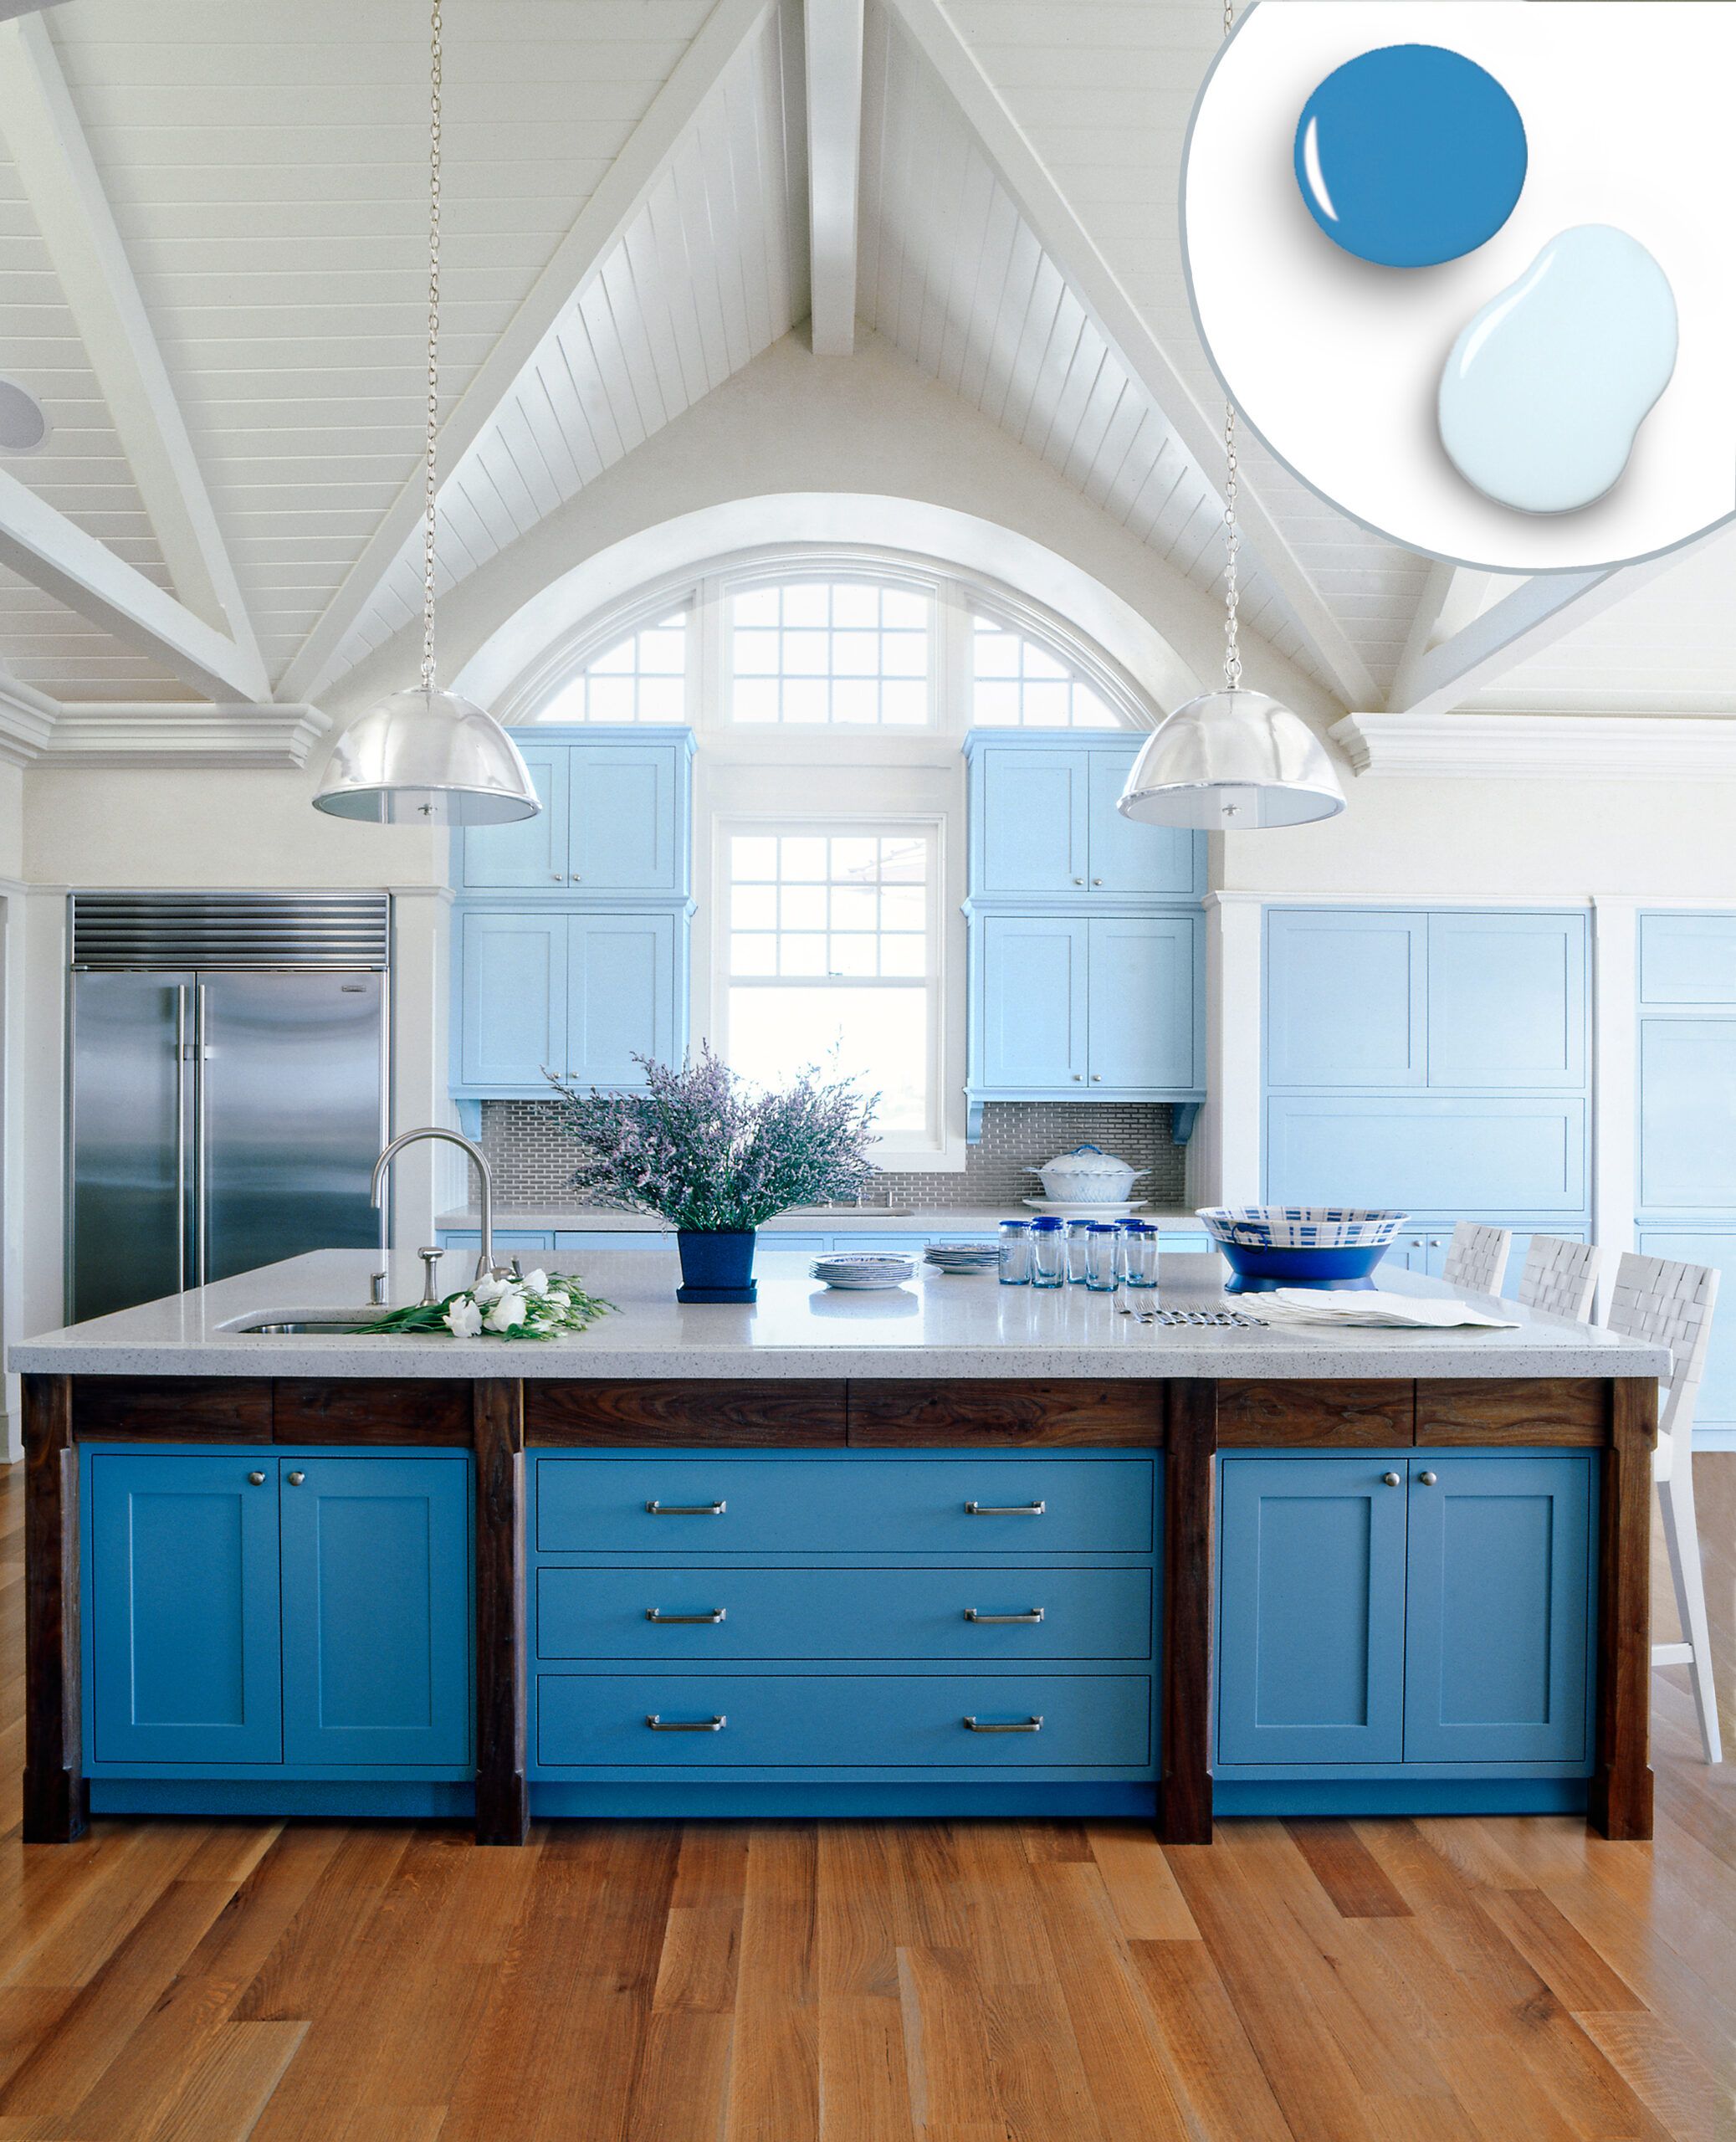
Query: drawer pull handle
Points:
[656, 1614]
[686, 1510]
[971, 1615]
[659, 1725]
[1032, 1725]
[1005, 1510]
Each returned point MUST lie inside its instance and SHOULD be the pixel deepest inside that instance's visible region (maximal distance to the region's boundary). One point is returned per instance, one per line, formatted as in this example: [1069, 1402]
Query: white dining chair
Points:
[1561, 1277]
[1669, 1304]
[1477, 1257]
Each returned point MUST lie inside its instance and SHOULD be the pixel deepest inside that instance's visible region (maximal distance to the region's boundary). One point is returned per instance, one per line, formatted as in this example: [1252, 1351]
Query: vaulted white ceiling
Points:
[212, 226]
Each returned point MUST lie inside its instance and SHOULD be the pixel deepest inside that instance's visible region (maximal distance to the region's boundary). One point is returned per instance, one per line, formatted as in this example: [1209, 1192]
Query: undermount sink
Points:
[309, 1324]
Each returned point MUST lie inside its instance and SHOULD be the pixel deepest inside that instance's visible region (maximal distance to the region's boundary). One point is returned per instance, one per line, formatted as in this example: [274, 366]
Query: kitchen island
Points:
[961, 1548]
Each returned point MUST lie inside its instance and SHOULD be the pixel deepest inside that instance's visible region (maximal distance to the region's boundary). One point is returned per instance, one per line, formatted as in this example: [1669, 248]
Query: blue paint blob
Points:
[1410, 156]
[1547, 385]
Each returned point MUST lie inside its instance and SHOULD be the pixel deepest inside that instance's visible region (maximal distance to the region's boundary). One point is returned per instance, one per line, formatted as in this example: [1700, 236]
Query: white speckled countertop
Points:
[834, 1220]
[935, 1326]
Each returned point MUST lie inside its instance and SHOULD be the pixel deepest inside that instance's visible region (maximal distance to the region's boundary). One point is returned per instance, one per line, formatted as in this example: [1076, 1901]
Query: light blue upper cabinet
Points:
[376, 1611]
[1346, 997]
[1428, 1152]
[1125, 857]
[1497, 1622]
[512, 987]
[1687, 1114]
[1143, 1028]
[620, 995]
[185, 1644]
[529, 855]
[1507, 1000]
[1030, 821]
[1687, 960]
[1031, 1012]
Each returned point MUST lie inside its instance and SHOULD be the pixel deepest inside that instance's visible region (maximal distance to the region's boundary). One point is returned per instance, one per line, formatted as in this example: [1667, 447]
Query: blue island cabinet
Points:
[1407, 1618]
[256, 1614]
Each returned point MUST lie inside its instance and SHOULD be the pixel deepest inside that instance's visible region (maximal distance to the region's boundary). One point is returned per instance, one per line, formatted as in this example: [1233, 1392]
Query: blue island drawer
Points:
[713, 1502]
[858, 1721]
[856, 1613]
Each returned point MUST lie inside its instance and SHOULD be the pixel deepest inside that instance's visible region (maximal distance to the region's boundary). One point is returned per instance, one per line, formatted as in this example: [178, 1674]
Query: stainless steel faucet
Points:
[486, 1267]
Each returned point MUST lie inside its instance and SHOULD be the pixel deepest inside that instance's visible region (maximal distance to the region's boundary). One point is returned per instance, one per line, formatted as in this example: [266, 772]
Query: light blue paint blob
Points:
[1547, 387]
[1409, 155]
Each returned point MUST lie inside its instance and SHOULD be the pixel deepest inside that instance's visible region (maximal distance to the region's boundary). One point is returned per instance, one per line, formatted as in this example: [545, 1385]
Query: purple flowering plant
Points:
[704, 1150]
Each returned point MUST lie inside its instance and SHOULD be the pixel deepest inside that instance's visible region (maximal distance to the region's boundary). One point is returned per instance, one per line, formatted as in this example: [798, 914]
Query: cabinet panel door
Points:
[1311, 1638]
[1429, 1154]
[621, 996]
[1408, 1252]
[1142, 1027]
[1507, 1000]
[512, 980]
[1688, 959]
[530, 852]
[1687, 1114]
[1032, 823]
[376, 1615]
[627, 825]
[1032, 984]
[1345, 998]
[1497, 1610]
[1716, 1407]
[185, 1610]
[1123, 856]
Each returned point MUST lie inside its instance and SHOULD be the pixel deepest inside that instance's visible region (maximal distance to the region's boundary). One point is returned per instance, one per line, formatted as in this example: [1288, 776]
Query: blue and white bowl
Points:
[1302, 1227]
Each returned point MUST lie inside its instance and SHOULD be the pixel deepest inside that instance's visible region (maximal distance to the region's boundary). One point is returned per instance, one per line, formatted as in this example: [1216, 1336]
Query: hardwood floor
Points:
[1432, 1980]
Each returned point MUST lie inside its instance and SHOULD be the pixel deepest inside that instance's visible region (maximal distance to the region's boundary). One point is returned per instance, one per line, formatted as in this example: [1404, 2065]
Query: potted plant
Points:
[702, 1150]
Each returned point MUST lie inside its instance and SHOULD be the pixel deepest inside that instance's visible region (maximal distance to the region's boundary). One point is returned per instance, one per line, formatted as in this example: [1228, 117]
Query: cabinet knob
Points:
[1079, 1077]
[576, 879]
[554, 877]
[1078, 881]
[1430, 1478]
[1097, 1078]
[1096, 881]
[1389, 1479]
[296, 1479]
[256, 1480]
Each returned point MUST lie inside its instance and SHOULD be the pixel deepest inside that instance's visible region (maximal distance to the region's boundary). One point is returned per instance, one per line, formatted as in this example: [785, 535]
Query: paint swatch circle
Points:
[1410, 155]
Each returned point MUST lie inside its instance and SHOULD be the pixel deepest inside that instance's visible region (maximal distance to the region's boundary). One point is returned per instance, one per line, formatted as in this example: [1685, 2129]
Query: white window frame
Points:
[933, 1147]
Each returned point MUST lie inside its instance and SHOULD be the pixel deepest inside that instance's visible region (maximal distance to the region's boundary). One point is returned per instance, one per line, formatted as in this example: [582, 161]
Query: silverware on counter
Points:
[1218, 1320]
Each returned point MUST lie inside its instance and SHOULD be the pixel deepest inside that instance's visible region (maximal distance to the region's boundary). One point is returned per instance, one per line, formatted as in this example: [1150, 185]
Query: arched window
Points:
[642, 677]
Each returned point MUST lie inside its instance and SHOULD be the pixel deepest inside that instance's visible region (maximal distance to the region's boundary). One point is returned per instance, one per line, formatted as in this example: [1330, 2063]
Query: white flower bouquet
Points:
[537, 1306]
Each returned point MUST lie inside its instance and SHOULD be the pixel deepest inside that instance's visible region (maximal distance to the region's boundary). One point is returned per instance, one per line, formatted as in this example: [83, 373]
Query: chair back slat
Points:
[1665, 1304]
[1561, 1277]
[1477, 1257]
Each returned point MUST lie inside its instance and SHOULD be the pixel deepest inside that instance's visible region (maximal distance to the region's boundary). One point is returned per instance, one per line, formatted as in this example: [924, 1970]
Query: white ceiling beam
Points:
[832, 38]
[45, 547]
[1522, 623]
[571, 269]
[1070, 246]
[58, 173]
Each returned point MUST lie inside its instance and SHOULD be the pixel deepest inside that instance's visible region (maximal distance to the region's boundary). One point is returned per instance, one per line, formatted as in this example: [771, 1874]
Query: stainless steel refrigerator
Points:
[228, 1084]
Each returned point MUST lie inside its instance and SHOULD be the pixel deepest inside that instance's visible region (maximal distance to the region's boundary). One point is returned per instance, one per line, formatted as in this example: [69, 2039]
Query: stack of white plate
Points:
[962, 1257]
[863, 1275]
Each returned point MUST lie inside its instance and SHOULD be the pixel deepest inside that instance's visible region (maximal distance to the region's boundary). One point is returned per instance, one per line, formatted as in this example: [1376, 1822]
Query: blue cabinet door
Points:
[1427, 1152]
[376, 1611]
[529, 852]
[512, 983]
[1717, 1405]
[1506, 1001]
[1688, 959]
[184, 1606]
[1497, 1620]
[1687, 1114]
[1125, 857]
[1032, 820]
[1142, 1028]
[620, 996]
[1032, 997]
[628, 828]
[1346, 998]
[1311, 1628]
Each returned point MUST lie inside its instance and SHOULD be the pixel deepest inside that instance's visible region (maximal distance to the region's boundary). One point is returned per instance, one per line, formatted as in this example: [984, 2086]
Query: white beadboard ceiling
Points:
[264, 161]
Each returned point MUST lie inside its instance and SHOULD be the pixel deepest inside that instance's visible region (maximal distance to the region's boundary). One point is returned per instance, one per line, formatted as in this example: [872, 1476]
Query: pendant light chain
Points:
[427, 537]
[1232, 534]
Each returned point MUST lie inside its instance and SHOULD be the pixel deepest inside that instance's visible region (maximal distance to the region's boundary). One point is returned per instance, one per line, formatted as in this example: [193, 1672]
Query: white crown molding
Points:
[1539, 747]
[147, 733]
[27, 719]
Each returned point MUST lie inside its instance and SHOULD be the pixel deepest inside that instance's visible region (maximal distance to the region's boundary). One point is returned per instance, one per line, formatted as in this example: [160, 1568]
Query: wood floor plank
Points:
[856, 1934]
[1683, 2096]
[946, 2044]
[1222, 2084]
[225, 2095]
[993, 1882]
[1038, 2073]
[1558, 1953]
[682, 2088]
[774, 2074]
[1347, 1871]
[1148, 1906]
[864, 2083]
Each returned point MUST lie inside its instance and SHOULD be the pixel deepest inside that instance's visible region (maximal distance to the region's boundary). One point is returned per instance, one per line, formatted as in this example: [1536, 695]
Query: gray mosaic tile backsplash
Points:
[532, 1157]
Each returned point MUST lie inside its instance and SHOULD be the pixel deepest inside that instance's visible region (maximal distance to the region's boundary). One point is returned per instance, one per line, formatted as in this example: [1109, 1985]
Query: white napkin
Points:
[1373, 1308]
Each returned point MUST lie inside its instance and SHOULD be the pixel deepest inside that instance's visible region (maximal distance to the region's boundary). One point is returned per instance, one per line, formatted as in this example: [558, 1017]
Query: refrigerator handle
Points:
[181, 1241]
[200, 1158]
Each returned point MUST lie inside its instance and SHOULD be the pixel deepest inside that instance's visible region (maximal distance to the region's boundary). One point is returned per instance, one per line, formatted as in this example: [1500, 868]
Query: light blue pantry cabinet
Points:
[1404, 1613]
[263, 1612]
[1087, 966]
[571, 939]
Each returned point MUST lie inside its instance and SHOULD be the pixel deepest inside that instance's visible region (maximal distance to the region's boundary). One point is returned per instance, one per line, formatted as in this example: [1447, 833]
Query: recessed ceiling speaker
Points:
[24, 427]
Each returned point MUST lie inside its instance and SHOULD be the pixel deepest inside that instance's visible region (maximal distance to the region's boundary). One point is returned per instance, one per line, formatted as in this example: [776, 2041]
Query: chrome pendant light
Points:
[425, 756]
[1232, 761]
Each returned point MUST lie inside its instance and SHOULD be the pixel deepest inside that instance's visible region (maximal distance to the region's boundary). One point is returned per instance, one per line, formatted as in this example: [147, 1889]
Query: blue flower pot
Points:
[716, 1267]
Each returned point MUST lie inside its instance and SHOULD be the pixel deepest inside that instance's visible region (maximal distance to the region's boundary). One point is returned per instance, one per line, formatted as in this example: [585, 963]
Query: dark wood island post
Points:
[503, 1796]
[1184, 1813]
[1620, 1797]
[57, 1799]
